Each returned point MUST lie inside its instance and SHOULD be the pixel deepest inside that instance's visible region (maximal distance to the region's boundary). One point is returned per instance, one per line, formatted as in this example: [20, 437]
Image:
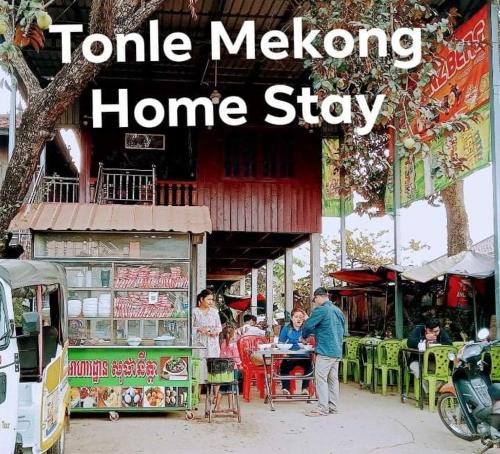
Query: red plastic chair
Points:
[298, 370]
[246, 346]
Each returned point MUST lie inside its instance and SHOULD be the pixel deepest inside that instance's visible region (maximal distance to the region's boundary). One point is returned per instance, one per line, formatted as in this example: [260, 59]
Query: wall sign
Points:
[144, 141]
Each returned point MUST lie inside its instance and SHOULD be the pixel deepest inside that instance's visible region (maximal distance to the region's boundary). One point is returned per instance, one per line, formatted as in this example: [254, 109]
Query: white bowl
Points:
[134, 341]
[285, 346]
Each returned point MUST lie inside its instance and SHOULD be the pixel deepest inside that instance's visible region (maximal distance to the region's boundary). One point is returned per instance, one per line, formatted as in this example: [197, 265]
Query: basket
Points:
[220, 370]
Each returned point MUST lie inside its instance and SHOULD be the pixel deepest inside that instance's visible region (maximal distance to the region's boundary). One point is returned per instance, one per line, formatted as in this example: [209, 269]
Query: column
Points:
[288, 281]
[201, 265]
[398, 291]
[243, 286]
[315, 267]
[495, 139]
[255, 273]
[269, 292]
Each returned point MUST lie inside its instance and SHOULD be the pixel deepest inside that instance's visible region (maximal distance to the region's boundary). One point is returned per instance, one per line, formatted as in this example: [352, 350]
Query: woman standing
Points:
[206, 328]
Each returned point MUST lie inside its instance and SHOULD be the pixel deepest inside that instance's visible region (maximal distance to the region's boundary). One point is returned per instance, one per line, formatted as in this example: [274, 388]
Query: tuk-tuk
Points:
[34, 391]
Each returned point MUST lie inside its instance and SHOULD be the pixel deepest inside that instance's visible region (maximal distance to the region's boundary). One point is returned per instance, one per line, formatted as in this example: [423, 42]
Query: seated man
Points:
[249, 327]
[431, 333]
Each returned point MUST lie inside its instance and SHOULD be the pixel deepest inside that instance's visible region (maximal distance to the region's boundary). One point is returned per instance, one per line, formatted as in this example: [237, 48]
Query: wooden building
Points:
[261, 183]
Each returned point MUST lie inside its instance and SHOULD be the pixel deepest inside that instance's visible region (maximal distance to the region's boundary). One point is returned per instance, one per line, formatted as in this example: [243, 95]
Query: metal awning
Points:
[25, 273]
[80, 217]
[466, 263]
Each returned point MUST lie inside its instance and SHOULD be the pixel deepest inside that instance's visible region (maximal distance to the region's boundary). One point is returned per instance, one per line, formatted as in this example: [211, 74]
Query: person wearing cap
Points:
[327, 324]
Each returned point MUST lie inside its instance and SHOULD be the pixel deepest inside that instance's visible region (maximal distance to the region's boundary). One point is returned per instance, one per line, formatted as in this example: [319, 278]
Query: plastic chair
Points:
[246, 346]
[195, 397]
[351, 357]
[387, 361]
[458, 344]
[366, 357]
[440, 370]
[406, 372]
[297, 370]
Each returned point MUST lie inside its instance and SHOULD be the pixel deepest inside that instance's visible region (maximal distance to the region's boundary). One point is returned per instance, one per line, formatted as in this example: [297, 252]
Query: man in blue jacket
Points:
[327, 325]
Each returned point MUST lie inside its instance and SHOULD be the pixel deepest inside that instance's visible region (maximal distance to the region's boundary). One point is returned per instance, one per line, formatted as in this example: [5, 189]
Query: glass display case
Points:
[115, 294]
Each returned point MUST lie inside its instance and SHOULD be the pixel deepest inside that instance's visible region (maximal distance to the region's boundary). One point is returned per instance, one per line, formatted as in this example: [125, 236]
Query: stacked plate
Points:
[74, 308]
[90, 307]
[104, 309]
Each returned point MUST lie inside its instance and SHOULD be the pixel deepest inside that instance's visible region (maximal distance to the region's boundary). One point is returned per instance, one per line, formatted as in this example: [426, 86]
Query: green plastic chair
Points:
[438, 357]
[366, 357]
[351, 358]
[458, 344]
[195, 397]
[495, 363]
[407, 373]
[387, 361]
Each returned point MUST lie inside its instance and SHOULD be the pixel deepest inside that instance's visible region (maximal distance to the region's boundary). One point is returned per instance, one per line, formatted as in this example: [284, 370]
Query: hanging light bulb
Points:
[215, 96]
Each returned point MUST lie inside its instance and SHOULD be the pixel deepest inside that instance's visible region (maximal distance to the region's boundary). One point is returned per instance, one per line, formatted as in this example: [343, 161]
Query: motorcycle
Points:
[470, 406]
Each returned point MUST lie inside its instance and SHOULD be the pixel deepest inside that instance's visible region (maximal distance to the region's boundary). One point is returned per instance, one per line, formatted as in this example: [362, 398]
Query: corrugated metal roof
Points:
[81, 217]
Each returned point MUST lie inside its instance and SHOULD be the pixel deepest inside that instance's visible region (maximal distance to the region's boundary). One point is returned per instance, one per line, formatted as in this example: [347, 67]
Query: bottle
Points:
[421, 345]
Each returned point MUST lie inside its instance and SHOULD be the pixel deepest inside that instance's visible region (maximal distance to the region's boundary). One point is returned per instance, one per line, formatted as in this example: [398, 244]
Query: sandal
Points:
[316, 412]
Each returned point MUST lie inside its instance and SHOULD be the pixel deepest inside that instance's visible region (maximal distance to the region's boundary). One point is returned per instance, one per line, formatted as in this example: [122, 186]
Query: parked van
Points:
[34, 391]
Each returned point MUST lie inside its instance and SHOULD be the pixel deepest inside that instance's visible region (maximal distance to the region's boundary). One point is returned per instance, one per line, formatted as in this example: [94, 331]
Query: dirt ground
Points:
[367, 423]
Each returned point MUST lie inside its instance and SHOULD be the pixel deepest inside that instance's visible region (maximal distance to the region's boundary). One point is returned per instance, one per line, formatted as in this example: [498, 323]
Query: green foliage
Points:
[365, 160]
[363, 250]
[20, 15]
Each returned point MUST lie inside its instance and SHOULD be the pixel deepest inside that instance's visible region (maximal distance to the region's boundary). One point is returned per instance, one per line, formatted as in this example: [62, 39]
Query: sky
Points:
[420, 221]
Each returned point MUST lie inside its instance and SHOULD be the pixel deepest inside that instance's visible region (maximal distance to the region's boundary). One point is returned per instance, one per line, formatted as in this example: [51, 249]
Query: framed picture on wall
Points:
[144, 141]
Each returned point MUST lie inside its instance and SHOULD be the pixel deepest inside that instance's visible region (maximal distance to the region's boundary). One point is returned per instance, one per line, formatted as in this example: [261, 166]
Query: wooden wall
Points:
[261, 204]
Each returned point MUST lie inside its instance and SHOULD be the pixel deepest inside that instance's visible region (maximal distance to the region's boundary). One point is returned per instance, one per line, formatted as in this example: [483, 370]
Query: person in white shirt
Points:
[249, 327]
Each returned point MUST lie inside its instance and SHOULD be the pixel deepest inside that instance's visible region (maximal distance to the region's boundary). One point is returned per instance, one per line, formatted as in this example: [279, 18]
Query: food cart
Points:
[129, 309]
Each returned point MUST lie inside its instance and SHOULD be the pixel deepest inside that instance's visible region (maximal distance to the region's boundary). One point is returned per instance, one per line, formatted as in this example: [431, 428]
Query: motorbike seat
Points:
[494, 391]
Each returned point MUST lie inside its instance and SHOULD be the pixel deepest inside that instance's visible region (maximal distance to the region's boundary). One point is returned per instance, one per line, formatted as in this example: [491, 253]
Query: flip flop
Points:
[316, 412]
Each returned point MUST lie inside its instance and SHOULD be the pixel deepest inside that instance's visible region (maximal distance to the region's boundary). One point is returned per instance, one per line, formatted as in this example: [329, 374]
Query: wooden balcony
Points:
[133, 186]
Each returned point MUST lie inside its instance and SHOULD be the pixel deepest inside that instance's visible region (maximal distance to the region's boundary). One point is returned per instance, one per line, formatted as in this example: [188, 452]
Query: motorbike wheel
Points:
[451, 414]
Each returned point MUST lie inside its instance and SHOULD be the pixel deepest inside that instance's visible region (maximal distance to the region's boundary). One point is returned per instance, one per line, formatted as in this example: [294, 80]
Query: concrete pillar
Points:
[315, 267]
[269, 292]
[255, 273]
[243, 286]
[288, 280]
[201, 265]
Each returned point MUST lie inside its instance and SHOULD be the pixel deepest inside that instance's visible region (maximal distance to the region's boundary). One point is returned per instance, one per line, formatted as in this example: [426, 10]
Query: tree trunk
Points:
[457, 220]
[44, 107]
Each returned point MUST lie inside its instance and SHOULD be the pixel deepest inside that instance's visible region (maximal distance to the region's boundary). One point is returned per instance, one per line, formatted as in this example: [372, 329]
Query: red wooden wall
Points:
[262, 204]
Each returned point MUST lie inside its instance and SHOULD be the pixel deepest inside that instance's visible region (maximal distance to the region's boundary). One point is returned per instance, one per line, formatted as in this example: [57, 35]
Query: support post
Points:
[315, 268]
[269, 292]
[495, 130]
[243, 286]
[12, 116]
[201, 265]
[288, 282]
[398, 293]
[253, 304]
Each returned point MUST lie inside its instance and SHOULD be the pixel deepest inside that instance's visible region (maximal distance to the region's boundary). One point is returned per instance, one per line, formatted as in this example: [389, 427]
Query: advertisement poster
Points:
[472, 145]
[331, 180]
[50, 412]
[462, 87]
[128, 379]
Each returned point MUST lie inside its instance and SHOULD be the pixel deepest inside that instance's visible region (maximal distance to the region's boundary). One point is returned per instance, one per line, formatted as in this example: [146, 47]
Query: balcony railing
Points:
[55, 189]
[177, 193]
[130, 186]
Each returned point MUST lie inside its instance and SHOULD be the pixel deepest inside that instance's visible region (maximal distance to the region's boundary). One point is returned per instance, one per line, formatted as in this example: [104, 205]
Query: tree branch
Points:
[25, 74]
